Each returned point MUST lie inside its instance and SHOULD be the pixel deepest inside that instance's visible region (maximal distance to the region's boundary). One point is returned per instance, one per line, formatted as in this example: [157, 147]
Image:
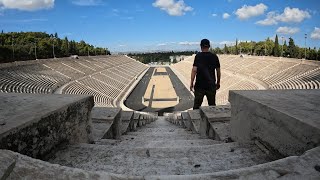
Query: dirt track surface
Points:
[134, 100]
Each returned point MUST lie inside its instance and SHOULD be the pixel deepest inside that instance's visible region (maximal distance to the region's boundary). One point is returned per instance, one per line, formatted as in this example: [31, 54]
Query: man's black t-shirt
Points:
[206, 63]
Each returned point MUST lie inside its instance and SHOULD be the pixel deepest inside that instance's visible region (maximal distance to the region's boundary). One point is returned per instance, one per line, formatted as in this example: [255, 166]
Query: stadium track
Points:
[134, 100]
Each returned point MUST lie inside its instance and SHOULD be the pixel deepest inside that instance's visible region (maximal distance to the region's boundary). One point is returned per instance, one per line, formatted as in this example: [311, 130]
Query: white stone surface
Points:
[285, 121]
[195, 120]
[36, 124]
[160, 148]
[107, 122]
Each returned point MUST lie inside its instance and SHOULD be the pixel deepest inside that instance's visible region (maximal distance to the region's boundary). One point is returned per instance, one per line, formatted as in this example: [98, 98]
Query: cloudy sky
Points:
[143, 25]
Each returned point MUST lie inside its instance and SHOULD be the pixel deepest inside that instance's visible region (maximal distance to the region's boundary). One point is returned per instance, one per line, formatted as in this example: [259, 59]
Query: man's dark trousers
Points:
[200, 93]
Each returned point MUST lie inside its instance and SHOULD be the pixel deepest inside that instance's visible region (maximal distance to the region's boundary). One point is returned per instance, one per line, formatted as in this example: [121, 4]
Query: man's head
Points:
[205, 44]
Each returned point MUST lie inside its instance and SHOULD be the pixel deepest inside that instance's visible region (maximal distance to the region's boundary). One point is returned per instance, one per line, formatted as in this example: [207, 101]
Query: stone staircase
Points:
[261, 138]
[160, 148]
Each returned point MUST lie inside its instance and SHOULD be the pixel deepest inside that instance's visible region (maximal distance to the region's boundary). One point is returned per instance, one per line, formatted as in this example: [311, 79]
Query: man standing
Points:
[205, 66]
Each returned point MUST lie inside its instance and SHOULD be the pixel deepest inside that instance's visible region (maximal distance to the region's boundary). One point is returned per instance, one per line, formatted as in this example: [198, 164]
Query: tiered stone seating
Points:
[99, 99]
[228, 81]
[277, 73]
[29, 79]
[104, 77]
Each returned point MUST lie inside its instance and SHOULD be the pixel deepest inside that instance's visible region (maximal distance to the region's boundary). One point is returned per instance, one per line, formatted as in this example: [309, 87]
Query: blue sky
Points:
[144, 25]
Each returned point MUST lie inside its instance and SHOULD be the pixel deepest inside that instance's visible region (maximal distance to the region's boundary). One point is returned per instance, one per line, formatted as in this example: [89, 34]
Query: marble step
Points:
[153, 144]
[160, 161]
[167, 129]
[158, 137]
[159, 133]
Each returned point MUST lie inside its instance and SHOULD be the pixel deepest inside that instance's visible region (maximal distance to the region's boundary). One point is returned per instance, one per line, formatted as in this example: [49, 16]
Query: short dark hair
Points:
[205, 43]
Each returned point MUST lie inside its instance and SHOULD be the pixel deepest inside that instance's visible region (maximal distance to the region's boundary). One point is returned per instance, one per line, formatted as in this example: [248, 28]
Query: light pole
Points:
[305, 46]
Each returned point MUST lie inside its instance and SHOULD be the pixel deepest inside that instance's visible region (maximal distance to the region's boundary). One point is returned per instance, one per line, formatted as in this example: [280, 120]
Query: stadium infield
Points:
[142, 92]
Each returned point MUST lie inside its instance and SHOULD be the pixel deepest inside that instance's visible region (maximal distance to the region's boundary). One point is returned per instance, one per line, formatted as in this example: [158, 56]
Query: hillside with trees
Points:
[21, 46]
[270, 48]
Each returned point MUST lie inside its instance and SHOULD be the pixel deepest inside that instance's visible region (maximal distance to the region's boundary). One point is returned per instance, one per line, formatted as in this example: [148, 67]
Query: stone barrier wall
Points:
[38, 124]
[285, 121]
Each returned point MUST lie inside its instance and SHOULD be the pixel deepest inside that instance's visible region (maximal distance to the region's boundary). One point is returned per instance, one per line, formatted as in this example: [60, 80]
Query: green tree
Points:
[236, 47]
[292, 51]
[276, 49]
[225, 49]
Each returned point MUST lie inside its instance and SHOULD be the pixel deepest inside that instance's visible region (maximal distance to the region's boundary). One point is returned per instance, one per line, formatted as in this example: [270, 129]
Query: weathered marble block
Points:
[186, 120]
[214, 115]
[136, 117]
[126, 118]
[195, 118]
[36, 124]
[286, 121]
[107, 121]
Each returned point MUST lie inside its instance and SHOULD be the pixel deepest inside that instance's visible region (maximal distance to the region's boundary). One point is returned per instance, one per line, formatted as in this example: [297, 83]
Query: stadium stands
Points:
[245, 73]
[107, 77]
[104, 77]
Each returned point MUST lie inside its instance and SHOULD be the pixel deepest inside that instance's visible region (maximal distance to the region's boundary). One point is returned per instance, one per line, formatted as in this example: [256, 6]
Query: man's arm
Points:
[218, 78]
[193, 75]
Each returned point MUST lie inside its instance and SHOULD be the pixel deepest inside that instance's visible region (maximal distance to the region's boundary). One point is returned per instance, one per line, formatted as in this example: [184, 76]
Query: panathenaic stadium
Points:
[112, 117]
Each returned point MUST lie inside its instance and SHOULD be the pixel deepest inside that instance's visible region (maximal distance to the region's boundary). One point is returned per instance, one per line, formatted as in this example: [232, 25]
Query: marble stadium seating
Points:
[246, 73]
[104, 77]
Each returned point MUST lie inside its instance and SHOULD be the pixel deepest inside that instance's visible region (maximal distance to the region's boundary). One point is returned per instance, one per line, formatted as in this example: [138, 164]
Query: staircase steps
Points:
[160, 148]
[173, 160]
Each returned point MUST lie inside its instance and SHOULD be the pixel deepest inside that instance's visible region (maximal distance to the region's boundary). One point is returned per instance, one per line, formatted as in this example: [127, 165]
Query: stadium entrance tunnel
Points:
[160, 90]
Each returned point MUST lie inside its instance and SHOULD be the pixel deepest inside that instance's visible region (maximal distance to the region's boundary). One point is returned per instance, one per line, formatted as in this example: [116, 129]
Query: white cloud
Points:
[26, 5]
[293, 15]
[270, 20]
[289, 15]
[187, 43]
[172, 7]
[214, 15]
[316, 33]
[225, 15]
[247, 12]
[287, 30]
[24, 21]
[87, 2]
[228, 43]
[162, 44]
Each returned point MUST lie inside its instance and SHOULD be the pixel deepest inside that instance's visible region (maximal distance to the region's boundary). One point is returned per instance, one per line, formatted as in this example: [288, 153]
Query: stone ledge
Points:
[107, 122]
[32, 169]
[213, 120]
[35, 124]
[293, 167]
[286, 121]
[126, 118]
[195, 118]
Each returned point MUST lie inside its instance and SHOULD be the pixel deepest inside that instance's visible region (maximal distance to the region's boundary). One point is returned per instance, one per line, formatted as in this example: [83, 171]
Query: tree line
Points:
[147, 58]
[270, 48]
[21, 46]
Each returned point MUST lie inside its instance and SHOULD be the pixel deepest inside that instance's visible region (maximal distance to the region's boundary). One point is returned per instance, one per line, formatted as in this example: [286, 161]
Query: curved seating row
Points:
[108, 84]
[277, 73]
[104, 77]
